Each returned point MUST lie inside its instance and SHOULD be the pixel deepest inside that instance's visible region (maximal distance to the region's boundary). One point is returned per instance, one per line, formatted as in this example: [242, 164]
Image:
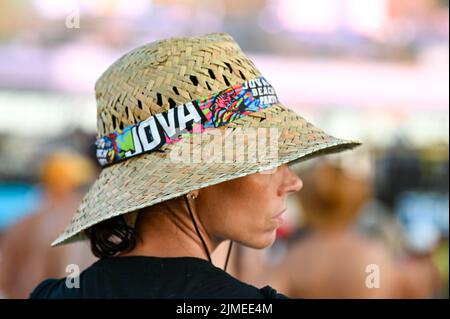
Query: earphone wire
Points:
[197, 230]
[230, 246]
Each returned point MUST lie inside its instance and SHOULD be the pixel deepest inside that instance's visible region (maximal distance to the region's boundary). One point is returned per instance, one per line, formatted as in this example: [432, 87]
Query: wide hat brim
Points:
[152, 178]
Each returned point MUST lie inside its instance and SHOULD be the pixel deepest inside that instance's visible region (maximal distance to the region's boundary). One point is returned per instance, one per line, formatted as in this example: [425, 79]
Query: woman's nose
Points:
[291, 182]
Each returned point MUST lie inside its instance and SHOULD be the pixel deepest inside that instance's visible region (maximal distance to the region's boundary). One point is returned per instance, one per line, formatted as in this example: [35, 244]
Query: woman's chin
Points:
[263, 241]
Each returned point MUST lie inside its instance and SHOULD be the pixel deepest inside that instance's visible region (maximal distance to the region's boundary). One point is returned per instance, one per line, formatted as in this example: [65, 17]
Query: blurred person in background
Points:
[26, 255]
[328, 258]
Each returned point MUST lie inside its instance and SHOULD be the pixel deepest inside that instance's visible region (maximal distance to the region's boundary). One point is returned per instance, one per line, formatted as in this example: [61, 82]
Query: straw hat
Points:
[166, 82]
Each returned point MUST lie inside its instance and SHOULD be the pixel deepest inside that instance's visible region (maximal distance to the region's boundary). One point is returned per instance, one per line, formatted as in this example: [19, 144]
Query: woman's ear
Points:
[193, 194]
[131, 218]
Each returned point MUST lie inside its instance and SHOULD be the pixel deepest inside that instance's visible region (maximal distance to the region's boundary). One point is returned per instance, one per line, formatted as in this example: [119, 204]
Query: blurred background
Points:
[374, 70]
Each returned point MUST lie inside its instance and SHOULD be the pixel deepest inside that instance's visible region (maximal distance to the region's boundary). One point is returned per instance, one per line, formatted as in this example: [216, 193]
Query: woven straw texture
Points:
[159, 76]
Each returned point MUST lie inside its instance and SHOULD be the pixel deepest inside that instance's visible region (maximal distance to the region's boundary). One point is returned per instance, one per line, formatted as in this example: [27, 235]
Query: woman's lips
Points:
[279, 217]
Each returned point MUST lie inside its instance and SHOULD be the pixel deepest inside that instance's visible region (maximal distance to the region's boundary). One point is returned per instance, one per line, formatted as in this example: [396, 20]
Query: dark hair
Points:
[111, 237]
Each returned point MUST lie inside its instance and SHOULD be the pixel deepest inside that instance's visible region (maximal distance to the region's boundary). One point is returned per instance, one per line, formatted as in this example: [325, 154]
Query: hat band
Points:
[211, 111]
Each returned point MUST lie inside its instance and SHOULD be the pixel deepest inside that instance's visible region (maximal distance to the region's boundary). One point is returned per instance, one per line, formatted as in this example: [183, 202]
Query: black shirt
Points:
[153, 277]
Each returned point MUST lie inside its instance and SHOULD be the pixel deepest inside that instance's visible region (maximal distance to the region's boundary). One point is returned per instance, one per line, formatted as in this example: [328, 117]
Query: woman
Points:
[154, 216]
